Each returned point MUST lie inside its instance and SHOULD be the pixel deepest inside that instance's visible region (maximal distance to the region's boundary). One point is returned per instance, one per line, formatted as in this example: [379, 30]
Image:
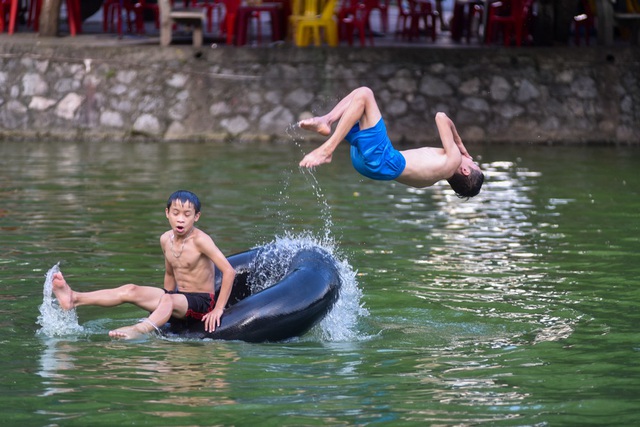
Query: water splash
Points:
[54, 320]
[325, 209]
[341, 323]
[293, 132]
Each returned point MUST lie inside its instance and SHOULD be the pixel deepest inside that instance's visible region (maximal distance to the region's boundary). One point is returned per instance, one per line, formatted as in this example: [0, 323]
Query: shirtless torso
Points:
[188, 267]
[426, 166]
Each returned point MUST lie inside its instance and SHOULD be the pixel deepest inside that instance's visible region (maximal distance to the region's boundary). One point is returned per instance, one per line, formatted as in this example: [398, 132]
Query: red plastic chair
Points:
[383, 7]
[404, 18]
[511, 17]
[244, 21]
[428, 15]
[33, 15]
[284, 17]
[228, 24]
[475, 15]
[5, 7]
[210, 6]
[583, 22]
[352, 16]
[112, 15]
[467, 15]
[411, 13]
[140, 8]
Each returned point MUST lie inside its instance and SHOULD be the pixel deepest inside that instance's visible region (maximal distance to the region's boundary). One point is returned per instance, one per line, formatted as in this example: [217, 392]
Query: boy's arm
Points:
[452, 152]
[454, 141]
[169, 279]
[209, 249]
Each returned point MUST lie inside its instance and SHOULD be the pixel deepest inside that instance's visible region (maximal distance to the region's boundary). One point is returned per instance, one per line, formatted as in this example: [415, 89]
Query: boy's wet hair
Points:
[467, 186]
[184, 197]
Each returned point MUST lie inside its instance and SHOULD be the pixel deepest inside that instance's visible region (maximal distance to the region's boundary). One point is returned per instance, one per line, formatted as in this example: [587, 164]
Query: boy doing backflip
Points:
[372, 154]
[190, 257]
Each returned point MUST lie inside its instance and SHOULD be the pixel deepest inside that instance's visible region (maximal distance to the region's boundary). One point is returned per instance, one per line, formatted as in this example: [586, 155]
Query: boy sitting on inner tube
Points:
[190, 255]
[372, 154]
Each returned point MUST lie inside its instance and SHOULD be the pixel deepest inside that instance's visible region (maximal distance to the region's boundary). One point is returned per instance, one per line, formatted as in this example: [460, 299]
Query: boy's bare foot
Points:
[315, 158]
[129, 332]
[62, 291]
[316, 124]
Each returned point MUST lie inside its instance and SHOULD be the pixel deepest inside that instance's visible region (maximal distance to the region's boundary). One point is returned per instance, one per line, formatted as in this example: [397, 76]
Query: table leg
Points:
[120, 7]
[241, 28]
[13, 15]
[275, 25]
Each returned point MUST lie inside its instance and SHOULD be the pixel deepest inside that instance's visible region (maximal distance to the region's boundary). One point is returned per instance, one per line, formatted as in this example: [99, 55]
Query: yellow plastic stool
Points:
[309, 26]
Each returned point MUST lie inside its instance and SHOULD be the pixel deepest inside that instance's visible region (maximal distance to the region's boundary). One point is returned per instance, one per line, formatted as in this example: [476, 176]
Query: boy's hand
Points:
[461, 147]
[212, 319]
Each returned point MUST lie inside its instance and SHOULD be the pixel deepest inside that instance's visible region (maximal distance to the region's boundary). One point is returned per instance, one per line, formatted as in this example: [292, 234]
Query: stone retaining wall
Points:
[151, 93]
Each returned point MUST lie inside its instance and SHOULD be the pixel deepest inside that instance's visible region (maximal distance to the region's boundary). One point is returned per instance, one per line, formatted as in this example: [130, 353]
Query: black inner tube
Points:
[285, 310]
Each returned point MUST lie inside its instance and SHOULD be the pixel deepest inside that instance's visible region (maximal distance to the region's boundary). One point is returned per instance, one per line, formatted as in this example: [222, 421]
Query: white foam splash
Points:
[341, 323]
[54, 320]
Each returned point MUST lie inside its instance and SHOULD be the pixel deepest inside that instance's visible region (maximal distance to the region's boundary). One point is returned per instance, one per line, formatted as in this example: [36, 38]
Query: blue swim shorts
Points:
[372, 153]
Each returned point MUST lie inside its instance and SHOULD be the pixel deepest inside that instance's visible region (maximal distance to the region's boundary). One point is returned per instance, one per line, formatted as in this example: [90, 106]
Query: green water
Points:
[515, 308]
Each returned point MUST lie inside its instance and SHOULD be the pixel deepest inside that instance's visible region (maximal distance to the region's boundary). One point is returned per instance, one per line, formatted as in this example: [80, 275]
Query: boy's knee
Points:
[129, 289]
[365, 91]
[364, 96]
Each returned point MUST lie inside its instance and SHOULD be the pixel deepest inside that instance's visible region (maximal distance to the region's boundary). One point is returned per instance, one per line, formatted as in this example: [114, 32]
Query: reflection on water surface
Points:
[516, 307]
